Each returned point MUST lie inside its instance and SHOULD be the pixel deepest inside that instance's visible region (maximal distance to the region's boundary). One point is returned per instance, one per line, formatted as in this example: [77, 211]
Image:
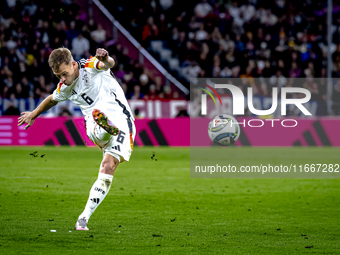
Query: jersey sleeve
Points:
[93, 62]
[82, 63]
[58, 95]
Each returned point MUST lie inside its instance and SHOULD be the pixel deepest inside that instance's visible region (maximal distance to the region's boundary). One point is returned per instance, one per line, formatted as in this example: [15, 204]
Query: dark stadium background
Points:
[195, 39]
[159, 47]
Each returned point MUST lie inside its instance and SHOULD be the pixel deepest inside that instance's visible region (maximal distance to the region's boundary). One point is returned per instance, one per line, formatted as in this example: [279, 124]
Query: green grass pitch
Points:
[155, 207]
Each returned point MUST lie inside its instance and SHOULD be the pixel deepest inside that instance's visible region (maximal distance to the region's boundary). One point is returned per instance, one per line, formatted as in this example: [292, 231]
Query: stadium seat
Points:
[174, 64]
[165, 54]
[156, 46]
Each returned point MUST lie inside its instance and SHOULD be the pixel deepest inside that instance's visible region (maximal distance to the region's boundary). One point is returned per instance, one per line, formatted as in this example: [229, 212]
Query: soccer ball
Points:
[224, 130]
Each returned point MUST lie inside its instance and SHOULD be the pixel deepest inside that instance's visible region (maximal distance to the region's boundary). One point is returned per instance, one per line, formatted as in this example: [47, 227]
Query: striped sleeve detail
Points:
[59, 87]
[93, 62]
[131, 141]
[82, 63]
[90, 62]
[98, 67]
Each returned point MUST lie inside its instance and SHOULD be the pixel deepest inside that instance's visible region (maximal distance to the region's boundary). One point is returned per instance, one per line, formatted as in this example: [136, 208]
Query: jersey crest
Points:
[86, 79]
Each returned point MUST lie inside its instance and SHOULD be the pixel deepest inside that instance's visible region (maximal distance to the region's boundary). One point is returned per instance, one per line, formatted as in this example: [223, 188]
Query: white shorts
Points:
[120, 146]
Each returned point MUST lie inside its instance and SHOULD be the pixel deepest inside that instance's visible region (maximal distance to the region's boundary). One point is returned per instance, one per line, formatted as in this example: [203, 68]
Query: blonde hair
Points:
[59, 56]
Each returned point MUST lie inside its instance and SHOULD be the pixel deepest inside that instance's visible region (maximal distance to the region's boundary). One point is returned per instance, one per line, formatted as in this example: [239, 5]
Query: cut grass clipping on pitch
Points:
[154, 206]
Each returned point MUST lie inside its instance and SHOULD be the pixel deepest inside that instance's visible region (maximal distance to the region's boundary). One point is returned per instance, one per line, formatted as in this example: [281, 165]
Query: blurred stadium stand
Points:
[278, 40]
[30, 30]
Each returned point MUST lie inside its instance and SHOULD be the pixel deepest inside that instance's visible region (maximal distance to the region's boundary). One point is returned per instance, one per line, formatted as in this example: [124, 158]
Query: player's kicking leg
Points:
[99, 190]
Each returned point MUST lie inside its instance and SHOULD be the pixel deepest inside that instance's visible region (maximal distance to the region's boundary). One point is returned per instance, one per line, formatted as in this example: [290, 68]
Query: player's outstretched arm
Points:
[29, 117]
[106, 62]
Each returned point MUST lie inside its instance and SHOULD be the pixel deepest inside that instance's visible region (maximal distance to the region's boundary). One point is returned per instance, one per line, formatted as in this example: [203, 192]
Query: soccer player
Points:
[108, 118]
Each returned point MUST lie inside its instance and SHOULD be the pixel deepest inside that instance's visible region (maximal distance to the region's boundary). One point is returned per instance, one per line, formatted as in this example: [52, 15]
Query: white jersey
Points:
[95, 88]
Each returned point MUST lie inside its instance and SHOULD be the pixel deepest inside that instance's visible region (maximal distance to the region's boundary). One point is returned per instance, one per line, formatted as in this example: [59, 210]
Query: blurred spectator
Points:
[158, 83]
[28, 87]
[144, 82]
[136, 93]
[336, 98]
[120, 73]
[151, 95]
[19, 92]
[8, 82]
[295, 71]
[202, 9]
[91, 25]
[175, 95]
[278, 80]
[166, 4]
[150, 31]
[11, 110]
[31, 7]
[99, 35]
[72, 32]
[167, 92]
[182, 113]
[64, 112]
[80, 47]
[137, 114]
[248, 11]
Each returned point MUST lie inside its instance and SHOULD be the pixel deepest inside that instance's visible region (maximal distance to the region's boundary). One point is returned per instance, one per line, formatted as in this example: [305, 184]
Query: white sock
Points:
[98, 192]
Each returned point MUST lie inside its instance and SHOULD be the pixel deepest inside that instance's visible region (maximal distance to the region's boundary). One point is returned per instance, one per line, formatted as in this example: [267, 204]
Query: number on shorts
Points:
[121, 137]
